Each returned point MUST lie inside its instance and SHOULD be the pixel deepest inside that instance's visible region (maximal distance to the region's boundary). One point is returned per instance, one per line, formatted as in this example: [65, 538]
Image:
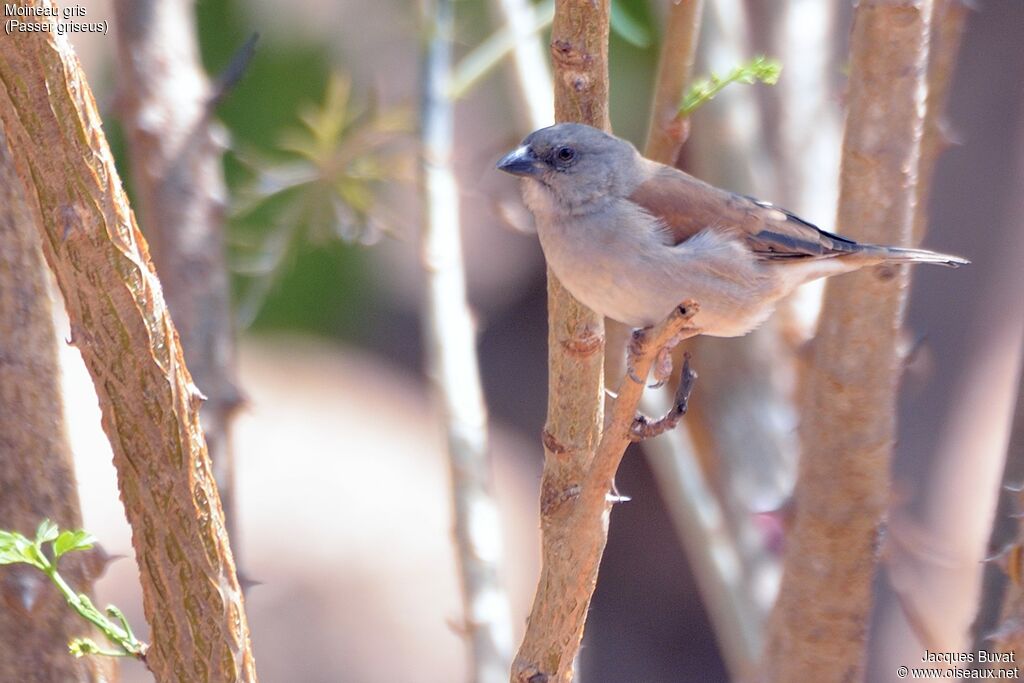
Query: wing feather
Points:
[687, 206]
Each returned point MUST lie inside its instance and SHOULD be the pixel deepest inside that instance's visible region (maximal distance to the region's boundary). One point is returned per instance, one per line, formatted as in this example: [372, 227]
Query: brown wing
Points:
[687, 206]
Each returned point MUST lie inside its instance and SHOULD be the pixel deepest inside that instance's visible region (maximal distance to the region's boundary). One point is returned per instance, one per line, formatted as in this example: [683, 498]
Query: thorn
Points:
[1010, 629]
[231, 75]
[195, 397]
[78, 338]
[96, 560]
[245, 582]
[617, 498]
[947, 136]
[1009, 559]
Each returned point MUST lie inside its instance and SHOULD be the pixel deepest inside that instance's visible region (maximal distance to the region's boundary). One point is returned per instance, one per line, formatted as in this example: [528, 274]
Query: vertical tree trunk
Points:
[819, 628]
[121, 326]
[37, 478]
[579, 49]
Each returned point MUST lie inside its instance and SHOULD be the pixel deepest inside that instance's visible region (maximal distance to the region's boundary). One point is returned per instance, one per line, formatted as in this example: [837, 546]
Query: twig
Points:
[124, 332]
[165, 105]
[530, 64]
[818, 630]
[452, 364]
[517, 38]
[575, 520]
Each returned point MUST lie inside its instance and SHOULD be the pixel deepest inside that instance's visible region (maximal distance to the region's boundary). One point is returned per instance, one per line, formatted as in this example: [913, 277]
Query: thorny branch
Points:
[575, 517]
[121, 326]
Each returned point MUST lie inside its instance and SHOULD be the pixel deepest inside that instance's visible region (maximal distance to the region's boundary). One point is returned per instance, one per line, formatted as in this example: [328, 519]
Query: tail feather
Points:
[908, 255]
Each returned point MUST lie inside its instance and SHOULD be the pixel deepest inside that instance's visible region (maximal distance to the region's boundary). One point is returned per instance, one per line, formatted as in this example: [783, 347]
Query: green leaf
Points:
[628, 27]
[47, 531]
[69, 541]
[14, 548]
[760, 69]
[34, 556]
[12, 555]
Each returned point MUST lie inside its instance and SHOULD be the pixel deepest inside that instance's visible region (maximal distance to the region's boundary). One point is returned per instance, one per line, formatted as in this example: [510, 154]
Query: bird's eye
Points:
[565, 154]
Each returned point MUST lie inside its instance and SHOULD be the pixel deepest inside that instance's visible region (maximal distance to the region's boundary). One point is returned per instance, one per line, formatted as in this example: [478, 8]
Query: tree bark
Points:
[121, 325]
[819, 628]
[176, 165]
[579, 49]
[37, 477]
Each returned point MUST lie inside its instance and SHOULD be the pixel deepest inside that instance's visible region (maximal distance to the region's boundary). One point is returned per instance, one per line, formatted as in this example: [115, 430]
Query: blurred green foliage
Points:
[323, 286]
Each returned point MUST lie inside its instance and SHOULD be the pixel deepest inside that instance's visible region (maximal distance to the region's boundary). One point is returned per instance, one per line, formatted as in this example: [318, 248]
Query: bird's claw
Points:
[662, 367]
[635, 349]
[644, 427]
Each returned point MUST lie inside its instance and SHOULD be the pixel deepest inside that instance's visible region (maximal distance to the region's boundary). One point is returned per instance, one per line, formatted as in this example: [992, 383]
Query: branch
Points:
[579, 50]
[516, 38]
[122, 327]
[176, 166]
[36, 467]
[819, 628]
[575, 518]
[669, 128]
[450, 339]
[532, 73]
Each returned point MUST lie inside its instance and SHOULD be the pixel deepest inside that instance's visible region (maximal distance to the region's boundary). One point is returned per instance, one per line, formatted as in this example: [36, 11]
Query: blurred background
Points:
[343, 493]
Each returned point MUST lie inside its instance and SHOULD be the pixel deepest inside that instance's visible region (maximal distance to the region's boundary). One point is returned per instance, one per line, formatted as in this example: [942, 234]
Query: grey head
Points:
[577, 163]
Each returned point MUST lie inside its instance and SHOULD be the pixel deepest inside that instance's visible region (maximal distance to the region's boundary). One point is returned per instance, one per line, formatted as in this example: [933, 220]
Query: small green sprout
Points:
[18, 549]
[759, 70]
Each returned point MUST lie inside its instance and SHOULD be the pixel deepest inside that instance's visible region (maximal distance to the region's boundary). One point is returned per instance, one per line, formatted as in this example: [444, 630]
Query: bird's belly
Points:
[639, 286]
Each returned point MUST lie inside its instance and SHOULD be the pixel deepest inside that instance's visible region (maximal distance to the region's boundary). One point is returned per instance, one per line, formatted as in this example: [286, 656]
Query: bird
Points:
[632, 238]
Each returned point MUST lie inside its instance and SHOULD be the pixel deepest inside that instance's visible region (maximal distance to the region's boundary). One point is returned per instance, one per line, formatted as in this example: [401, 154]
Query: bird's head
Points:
[577, 163]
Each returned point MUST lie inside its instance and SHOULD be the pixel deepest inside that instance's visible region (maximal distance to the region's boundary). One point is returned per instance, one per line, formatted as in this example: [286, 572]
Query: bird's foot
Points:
[637, 346]
[644, 427]
[662, 367]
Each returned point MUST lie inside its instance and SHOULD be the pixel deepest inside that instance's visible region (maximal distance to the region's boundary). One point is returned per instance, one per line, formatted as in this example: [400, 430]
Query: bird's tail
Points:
[908, 255]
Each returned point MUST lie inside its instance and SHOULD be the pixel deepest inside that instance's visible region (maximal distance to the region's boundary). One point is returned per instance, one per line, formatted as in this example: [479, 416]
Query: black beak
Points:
[521, 162]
